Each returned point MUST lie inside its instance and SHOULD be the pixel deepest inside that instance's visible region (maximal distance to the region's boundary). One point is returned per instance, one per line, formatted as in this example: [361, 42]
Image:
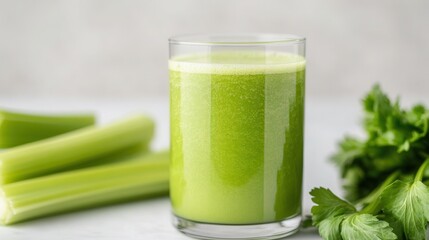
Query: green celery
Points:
[20, 128]
[138, 178]
[80, 147]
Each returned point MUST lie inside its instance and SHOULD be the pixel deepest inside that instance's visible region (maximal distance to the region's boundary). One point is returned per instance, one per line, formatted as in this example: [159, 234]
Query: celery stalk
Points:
[21, 128]
[72, 149]
[139, 178]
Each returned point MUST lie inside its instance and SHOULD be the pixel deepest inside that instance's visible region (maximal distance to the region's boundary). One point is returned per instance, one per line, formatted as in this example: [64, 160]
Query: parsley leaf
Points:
[330, 228]
[408, 203]
[339, 220]
[365, 226]
[329, 205]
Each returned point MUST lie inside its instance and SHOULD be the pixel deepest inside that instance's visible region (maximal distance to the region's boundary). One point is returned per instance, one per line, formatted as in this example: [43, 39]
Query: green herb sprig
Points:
[400, 210]
[384, 176]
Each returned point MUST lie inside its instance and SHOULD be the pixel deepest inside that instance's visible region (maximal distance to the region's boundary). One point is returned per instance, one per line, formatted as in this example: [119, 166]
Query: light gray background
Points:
[111, 57]
[108, 48]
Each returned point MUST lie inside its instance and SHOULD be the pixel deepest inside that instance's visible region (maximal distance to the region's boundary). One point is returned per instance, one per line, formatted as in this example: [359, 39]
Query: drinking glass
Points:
[237, 122]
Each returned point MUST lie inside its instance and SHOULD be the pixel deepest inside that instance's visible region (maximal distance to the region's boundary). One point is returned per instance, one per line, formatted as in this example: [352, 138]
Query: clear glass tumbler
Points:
[237, 125]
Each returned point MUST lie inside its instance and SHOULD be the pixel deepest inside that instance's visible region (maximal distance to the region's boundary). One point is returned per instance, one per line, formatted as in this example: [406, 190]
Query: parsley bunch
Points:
[397, 140]
[384, 175]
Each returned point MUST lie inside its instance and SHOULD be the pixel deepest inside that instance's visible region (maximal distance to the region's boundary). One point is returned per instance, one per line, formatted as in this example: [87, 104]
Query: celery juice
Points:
[237, 136]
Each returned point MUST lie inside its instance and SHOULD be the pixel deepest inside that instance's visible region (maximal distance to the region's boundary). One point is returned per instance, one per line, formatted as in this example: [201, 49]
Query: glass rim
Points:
[236, 39]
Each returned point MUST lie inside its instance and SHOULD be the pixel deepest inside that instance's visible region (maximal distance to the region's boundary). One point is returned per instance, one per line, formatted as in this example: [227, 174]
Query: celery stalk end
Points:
[4, 209]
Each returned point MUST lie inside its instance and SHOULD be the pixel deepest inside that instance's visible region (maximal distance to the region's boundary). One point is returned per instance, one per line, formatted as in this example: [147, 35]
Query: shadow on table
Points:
[94, 207]
[305, 234]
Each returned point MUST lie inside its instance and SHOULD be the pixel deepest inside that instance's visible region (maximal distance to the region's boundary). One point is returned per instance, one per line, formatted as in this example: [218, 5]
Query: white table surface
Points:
[326, 122]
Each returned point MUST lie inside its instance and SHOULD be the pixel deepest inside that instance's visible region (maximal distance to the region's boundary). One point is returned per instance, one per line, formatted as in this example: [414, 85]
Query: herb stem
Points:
[421, 171]
[377, 192]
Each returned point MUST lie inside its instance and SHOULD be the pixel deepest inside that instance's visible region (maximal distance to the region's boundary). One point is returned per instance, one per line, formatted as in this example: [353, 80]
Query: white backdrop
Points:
[108, 48]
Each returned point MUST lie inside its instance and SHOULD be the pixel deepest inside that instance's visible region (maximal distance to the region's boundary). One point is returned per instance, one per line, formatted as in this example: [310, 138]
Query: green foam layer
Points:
[238, 63]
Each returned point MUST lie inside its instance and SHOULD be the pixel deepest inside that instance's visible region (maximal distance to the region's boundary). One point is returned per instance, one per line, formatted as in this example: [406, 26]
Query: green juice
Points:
[237, 137]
